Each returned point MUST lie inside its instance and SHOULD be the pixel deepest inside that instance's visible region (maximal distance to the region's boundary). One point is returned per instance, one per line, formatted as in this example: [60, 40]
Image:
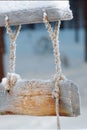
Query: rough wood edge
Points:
[35, 98]
[29, 16]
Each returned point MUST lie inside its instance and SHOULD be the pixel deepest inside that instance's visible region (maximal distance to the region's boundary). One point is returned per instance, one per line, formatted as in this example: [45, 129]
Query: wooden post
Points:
[83, 5]
[76, 19]
[85, 27]
[2, 51]
[75, 6]
[86, 43]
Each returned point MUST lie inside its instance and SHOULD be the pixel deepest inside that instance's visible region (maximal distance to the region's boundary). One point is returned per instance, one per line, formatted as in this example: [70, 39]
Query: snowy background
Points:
[34, 62]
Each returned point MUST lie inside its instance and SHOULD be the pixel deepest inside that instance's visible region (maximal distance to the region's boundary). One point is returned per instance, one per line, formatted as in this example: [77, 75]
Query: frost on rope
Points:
[12, 37]
[10, 81]
[12, 78]
[54, 37]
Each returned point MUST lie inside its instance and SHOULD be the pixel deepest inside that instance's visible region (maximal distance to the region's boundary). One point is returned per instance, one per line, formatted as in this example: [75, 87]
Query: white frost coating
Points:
[8, 6]
[10, 81]
[26, 12]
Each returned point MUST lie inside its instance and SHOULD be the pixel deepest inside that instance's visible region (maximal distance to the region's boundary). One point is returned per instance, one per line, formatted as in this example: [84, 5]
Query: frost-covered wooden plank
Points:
[35, 98]
[24, 12]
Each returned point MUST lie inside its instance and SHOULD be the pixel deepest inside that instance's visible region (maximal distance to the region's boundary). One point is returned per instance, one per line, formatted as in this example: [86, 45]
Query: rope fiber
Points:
[11, 76]
[54, 34]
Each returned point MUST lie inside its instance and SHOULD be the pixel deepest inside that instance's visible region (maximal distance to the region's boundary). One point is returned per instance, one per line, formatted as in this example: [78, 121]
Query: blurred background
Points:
[35, 60]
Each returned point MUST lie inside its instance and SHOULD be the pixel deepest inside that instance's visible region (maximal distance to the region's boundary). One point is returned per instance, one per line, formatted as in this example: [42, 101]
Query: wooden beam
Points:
[35, 98]
[25, 12]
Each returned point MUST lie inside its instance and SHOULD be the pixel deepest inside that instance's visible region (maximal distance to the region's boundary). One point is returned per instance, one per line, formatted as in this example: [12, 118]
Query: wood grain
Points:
[35, 98]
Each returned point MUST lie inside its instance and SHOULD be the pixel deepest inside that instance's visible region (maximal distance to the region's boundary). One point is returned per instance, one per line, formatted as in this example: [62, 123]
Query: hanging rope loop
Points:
[11, 76]
[12, 37]
[54, 34]
[54, 37]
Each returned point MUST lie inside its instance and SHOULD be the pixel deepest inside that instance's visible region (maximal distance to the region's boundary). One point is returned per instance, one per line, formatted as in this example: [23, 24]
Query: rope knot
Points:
[9, 82]
[58, 77]
[12, 78]
[55, 93]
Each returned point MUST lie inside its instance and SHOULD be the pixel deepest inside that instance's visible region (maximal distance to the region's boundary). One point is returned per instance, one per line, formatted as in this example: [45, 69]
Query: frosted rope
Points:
[11, 76]
[54, 37]
[12, 37]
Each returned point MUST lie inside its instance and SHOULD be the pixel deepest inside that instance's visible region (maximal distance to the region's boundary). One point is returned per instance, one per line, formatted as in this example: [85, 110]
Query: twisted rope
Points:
[12, 37]
[54, 37]
[11, 77]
